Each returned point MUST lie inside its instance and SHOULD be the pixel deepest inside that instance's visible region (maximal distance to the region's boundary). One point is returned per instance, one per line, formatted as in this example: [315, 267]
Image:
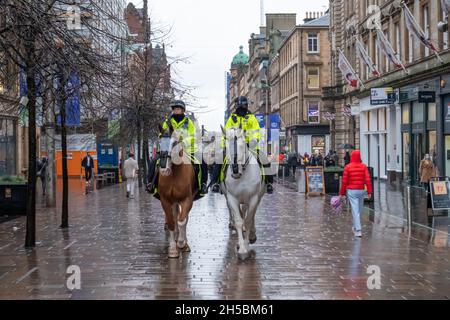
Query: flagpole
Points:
[351, 67]
[405, 7]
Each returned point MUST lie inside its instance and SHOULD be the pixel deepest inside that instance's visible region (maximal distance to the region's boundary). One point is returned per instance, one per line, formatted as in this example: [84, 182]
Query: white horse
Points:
[243, 188]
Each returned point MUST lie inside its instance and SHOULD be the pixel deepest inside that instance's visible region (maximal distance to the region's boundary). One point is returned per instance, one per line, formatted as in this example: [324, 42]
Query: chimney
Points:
[309, 17]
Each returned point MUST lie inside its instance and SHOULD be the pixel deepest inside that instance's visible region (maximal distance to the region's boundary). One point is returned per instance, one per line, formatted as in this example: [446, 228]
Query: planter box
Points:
[333, 181]
[13, 198]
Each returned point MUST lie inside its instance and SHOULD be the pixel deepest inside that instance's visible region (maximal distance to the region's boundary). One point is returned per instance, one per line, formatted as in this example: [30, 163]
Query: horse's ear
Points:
[223, 130]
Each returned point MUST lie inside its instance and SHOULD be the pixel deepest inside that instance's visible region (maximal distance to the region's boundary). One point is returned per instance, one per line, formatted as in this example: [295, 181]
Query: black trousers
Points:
[88, 174]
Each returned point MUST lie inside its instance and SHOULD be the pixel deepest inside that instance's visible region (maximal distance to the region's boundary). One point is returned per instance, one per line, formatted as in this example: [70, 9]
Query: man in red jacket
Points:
[356, 177]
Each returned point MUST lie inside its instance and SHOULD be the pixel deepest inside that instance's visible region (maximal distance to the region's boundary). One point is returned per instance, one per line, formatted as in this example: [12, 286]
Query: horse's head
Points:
[237, 151]
[171, 149]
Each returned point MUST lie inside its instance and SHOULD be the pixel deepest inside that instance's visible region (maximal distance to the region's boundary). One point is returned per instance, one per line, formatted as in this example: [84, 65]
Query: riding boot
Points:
[204, 170]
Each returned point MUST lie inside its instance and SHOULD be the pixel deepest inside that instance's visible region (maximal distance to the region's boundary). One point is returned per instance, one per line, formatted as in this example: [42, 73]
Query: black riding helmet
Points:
[241, 102]
[177, 104]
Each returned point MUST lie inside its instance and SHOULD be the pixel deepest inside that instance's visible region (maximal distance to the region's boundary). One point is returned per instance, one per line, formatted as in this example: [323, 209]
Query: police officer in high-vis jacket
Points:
[243, 118]
[187, 129]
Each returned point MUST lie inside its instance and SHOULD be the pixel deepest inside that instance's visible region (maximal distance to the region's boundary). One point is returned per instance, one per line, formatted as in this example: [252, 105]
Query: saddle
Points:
[152, 186]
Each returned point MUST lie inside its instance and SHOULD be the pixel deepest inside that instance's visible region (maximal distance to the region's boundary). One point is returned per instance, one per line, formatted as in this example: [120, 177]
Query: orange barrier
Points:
[74, 159]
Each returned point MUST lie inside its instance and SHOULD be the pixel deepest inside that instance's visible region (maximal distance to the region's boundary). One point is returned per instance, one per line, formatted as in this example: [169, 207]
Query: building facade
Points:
[304, 70]
[393, 137]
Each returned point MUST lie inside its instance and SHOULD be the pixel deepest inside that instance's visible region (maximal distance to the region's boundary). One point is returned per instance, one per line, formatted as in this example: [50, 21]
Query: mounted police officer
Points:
[184, 126]
[244, 119]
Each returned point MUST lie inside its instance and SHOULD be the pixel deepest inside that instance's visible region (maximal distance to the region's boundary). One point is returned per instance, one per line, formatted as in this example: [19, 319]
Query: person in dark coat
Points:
[42, 172]
[88, 164]
[293, 162]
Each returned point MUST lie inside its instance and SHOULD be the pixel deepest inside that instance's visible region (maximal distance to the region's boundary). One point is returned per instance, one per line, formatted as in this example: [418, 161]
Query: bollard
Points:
[408, 209]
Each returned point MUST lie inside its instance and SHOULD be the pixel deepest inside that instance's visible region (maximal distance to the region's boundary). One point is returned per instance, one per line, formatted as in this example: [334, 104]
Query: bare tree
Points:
[36, 37]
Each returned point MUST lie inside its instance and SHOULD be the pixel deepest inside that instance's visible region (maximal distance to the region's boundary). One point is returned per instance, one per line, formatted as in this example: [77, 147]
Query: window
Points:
[313, 78]
[405, 113]
[313, 43]
[411, 48]
[7, 146]
[444, 34]
[418, 112]
[432, 112]
[313, 112]
[426, 27]
[318, 144]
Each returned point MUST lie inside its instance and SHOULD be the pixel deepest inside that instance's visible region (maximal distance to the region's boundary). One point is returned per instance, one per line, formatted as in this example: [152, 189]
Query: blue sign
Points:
[275, 125]
[261, 120]
[107, 154]
[73, 117]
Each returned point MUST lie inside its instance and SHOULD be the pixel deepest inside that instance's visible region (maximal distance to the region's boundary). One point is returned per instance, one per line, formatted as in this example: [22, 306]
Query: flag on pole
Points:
[347, 70]
[384, 45]
[446, 6]
[364, 56]
[417, 31]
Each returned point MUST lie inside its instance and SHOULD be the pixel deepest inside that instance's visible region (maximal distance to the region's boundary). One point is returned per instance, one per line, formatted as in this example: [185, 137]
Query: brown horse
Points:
[176, 185]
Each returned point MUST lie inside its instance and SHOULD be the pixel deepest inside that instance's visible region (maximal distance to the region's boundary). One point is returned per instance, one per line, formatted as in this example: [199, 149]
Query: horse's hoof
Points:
[173, 254]
[166, 227]
[186, 248]
[231, 227]
[252, 239]
[243, 256]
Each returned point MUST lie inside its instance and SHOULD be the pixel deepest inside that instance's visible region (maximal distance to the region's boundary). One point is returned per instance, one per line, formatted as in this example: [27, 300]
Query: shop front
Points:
[379, 138]
[419, 129]
[313, 139]
[8, 145]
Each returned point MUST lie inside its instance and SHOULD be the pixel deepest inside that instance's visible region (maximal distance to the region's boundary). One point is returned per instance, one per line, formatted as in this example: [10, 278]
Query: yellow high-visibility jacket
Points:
[186, 129]
[249, 124]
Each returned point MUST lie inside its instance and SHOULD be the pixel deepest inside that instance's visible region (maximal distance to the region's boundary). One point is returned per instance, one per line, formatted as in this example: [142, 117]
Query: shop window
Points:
[406, 151]
[432, 112]
[432, 142]
[313, 112]
[405, 113]
[418, 112]
[318, 144]
[7, 147]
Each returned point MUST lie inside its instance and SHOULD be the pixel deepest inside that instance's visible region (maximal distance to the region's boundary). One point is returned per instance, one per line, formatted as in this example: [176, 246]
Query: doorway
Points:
[417, 156]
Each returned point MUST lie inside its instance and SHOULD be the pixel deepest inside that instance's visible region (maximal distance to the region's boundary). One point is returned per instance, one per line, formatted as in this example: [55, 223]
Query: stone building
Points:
[304, 70]
[393, 137]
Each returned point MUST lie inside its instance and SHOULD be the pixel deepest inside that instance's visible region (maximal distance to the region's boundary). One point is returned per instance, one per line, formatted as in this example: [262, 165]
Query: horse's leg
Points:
[234, 205]
[182, 221]
[250, 218]
[173, 252]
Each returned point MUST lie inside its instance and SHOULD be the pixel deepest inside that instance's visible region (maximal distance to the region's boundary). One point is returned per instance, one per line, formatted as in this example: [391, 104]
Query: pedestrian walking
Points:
[130, 169]
[427, 170]
[41, 172]
[293, 162]
[347, 157]
[355, 179]
[88, 164]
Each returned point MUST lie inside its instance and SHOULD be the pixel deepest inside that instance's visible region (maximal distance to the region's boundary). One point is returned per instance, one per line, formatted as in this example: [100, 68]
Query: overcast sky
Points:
[210, 33]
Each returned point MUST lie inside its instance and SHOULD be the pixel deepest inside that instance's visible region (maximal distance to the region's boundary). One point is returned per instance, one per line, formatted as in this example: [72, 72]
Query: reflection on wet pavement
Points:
[303, 252]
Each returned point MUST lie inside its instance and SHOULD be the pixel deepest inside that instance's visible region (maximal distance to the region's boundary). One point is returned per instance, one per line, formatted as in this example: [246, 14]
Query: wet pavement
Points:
[303, 251]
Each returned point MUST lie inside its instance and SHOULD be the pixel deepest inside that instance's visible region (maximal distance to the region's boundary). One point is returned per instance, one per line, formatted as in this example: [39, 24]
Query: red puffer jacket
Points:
[356, 175]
